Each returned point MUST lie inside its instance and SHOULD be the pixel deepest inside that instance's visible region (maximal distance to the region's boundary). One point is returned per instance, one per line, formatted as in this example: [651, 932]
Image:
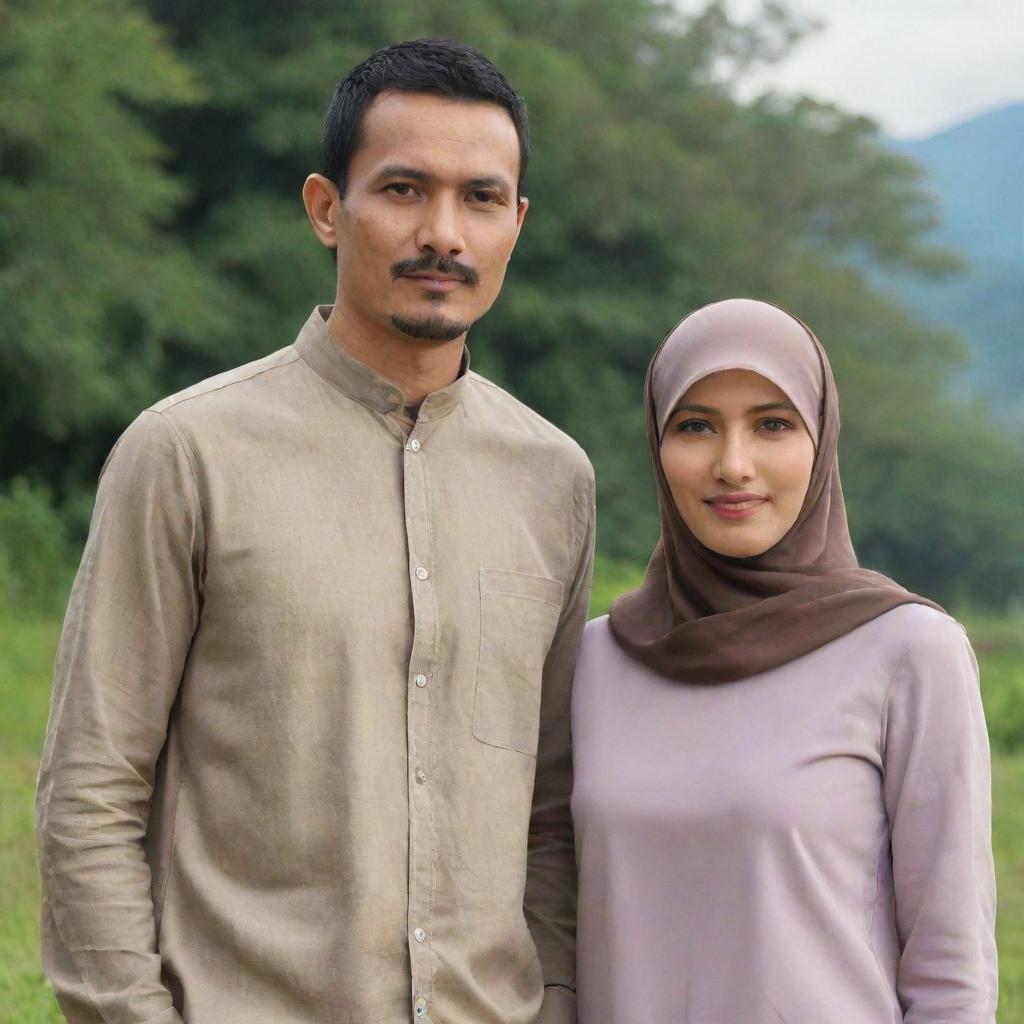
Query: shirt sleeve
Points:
[130, 620]
[938, 800]
[551, 861]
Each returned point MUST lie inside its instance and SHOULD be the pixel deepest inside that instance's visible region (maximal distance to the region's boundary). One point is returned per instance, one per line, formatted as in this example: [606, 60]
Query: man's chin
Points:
[431, 328]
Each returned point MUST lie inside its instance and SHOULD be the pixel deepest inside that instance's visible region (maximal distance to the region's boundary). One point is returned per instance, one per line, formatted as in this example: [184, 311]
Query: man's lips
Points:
[738, 505]
[437, 282]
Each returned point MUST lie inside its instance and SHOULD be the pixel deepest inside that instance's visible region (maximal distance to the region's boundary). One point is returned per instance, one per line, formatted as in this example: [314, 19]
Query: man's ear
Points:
[524, 205]
[521, 208]
[320, 196]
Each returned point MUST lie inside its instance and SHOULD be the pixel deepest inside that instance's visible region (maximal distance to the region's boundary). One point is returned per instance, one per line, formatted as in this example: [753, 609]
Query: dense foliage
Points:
[151, 232]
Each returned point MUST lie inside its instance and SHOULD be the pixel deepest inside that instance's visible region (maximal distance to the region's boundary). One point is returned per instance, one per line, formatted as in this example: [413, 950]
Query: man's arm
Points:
[133, 610]
[551, 865]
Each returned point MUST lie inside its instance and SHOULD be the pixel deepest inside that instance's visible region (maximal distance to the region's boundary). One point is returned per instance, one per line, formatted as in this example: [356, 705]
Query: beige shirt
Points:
[308, 755]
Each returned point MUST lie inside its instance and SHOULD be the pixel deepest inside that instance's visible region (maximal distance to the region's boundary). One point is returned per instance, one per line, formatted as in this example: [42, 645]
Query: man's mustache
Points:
[448, 265]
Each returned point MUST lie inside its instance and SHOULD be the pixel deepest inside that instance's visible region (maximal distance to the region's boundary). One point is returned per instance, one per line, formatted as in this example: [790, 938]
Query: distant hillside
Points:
[977, 170]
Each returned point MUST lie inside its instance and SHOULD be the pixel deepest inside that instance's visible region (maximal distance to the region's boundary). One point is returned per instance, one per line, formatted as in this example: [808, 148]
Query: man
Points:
[308, 756]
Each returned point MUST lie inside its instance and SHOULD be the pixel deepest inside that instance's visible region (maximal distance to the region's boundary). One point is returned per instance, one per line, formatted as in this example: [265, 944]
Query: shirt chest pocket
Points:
[518, 618]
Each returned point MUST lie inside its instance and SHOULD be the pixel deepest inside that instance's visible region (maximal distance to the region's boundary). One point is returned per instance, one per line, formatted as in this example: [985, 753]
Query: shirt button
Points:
[421, 573]
[421, 776]
[414, 444]
[421, 1006]
[419, 935]
[421, 680]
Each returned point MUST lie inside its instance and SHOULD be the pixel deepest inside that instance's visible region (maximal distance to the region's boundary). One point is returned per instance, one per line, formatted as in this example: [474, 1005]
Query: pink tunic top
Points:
[807, 846]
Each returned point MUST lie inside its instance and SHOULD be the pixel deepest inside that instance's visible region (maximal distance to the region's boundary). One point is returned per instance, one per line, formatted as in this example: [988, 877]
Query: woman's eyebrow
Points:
[708, 410]
[774, 405]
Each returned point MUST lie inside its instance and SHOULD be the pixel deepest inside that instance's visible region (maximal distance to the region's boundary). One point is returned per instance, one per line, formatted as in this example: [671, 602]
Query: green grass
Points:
[26, 658]
[1000, 647]
[26, 662]
[611, 578]
[999, 643]
[1008, 840]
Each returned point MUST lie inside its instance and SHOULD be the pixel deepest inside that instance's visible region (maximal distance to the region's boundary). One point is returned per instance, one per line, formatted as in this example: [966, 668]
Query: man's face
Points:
[429, 216]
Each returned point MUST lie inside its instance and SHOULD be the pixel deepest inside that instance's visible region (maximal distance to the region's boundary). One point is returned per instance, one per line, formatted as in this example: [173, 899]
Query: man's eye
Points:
[400, 188]
[481, 196]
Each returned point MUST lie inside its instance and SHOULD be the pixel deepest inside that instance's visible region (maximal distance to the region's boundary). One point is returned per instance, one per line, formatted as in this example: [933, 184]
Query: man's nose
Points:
[441, 230]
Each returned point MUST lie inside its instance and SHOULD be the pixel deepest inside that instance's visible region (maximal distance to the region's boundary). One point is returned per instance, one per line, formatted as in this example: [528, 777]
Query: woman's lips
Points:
[737, 506]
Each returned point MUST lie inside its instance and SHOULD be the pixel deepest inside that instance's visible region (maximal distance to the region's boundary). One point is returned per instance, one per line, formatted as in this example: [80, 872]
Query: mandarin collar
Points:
[355, 379]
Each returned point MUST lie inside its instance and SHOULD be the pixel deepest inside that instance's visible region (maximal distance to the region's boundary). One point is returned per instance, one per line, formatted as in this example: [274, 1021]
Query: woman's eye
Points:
[693, 426]
[774, 426]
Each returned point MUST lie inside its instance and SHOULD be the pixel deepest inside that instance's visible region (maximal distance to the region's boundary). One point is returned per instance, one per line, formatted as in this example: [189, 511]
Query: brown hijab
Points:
[701, 617]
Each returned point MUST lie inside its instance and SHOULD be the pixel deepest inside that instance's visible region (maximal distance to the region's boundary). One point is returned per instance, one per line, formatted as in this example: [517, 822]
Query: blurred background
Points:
[859, 163]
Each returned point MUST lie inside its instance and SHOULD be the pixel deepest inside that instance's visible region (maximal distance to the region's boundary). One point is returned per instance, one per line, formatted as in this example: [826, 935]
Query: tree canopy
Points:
[152, 232]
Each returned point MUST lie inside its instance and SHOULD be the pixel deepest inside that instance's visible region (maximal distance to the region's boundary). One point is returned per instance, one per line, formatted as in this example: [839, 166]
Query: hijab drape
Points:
[701, 617]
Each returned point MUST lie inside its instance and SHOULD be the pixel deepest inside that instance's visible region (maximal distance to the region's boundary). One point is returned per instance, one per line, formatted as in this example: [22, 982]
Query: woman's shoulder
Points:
[909, 628]
[597, 638]
[934, 693]
[930, 648]
[599, 654]
[913, 639]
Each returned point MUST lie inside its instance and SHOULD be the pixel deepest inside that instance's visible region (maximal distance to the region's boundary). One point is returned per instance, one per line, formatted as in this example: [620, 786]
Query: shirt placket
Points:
[420, 736]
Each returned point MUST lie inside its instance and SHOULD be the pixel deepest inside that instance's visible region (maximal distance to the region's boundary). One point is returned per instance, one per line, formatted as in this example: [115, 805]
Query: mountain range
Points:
[976, 170]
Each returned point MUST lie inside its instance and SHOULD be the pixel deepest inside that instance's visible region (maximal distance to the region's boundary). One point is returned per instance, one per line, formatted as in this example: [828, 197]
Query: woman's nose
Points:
[735, 464]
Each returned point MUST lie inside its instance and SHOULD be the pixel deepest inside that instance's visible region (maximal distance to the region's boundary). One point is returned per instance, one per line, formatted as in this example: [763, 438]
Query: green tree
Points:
[95, 290]
[152, 233]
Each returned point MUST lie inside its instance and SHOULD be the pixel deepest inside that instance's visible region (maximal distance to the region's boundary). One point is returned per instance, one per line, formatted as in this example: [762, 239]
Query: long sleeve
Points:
[938, 800]
[132, 613]
[551, 864]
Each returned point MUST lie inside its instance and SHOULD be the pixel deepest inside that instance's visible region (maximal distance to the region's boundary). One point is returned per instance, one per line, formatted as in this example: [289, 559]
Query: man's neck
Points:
[416, 365]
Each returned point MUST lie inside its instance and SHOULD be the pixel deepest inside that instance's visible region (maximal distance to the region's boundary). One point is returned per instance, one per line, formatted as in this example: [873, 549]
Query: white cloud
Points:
[914, 65]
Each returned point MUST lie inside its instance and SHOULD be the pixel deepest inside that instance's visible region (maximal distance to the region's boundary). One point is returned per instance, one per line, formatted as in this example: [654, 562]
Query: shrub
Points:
[36, 556]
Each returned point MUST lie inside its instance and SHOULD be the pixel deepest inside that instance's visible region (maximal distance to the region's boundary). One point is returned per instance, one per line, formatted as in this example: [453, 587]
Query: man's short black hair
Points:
[444, 67]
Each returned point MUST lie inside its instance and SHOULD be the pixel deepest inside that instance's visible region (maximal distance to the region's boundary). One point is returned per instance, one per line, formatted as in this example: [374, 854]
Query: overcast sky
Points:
[916, 66]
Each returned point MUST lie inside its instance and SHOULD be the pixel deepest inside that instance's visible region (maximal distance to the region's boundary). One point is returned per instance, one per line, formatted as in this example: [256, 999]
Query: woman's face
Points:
[738, 461]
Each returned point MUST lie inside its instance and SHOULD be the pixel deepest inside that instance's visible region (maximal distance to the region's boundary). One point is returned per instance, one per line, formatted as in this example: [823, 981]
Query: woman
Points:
[782, 776]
